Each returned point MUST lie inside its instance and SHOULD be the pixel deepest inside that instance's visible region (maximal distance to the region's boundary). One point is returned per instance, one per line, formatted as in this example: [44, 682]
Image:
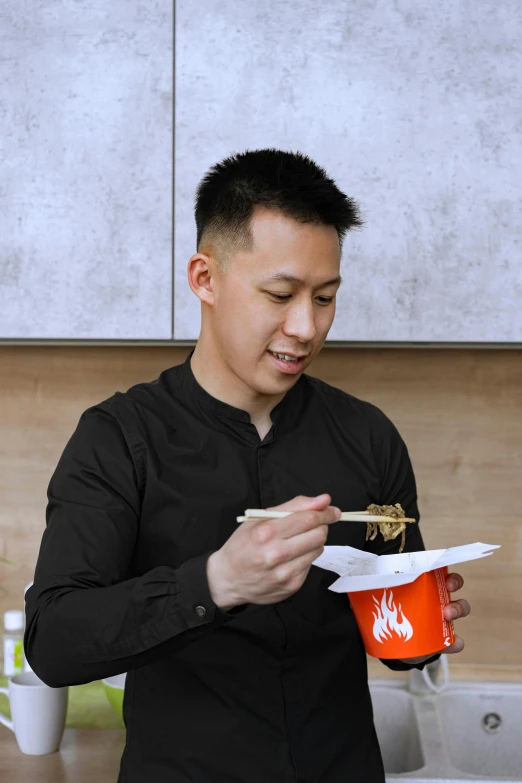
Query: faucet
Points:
[427, 680]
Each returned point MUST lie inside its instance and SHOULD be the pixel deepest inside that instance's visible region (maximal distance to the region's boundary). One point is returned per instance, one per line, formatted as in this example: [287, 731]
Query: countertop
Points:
[94, 754]
[85, 755]
[90, 750]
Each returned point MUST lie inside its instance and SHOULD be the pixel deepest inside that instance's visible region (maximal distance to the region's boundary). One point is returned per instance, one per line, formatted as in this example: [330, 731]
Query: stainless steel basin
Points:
[482, 728]
[397, 729]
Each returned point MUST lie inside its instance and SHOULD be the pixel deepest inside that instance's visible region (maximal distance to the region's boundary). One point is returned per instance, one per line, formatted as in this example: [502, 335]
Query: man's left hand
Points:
[452, 611]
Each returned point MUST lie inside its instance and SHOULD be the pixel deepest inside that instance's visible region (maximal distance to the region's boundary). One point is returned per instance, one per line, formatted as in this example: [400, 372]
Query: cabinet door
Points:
[86, 158]
[413, 108]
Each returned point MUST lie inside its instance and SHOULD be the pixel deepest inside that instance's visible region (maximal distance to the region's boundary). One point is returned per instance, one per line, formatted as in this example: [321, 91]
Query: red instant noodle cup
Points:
[405, 621]
[398, 600]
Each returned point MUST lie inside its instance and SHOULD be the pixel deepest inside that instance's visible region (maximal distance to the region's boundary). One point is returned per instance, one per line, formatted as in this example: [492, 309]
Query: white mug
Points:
[38, 713]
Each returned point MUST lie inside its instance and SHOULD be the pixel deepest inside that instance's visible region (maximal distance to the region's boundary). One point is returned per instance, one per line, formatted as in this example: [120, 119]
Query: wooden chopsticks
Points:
[346, 516]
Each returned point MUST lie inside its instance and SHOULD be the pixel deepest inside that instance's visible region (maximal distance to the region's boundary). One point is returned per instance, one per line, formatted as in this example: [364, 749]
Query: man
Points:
[242, 665]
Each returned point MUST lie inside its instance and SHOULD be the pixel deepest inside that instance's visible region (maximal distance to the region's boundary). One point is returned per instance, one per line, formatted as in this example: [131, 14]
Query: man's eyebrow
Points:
[282, 276]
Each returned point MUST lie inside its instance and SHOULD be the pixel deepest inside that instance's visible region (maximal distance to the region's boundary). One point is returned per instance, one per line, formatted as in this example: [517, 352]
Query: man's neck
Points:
[225, 386]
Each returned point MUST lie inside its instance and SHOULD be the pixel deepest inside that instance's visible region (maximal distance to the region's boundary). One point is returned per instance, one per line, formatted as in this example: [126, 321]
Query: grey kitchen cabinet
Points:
[413, 108]
[86, 169]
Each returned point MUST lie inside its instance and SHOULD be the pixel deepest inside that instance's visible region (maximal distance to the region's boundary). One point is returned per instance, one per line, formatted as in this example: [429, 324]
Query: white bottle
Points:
[13, 642]
[27, 666]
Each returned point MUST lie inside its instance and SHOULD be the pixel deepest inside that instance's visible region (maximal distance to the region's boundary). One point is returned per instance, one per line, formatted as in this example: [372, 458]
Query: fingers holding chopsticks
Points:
[265, 561]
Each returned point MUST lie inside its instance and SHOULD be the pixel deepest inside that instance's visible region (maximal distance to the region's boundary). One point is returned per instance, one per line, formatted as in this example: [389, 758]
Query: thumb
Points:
[302, 503]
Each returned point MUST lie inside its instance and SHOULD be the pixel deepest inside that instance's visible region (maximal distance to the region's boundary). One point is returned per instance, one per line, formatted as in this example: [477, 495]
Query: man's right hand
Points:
[266, 560]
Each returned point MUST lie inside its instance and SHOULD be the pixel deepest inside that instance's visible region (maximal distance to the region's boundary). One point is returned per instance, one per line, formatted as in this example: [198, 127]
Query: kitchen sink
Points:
[397, 729]
[470, 731]
[482, 729]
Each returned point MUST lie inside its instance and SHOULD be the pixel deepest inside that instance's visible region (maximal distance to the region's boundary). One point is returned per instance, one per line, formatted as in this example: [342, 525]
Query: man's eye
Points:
[283, 297]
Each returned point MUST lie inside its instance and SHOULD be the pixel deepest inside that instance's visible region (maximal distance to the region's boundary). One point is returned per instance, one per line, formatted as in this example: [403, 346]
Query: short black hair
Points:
[287, 182]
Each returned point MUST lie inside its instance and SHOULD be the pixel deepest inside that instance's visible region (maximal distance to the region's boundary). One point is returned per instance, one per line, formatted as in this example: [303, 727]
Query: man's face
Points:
[253, 314]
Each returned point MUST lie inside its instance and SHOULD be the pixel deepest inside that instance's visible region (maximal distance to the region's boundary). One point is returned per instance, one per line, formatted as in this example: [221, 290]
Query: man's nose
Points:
[300, 321]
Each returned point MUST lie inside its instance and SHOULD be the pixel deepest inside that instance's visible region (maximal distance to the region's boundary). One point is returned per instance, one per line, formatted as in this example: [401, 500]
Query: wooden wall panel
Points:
[460, 412]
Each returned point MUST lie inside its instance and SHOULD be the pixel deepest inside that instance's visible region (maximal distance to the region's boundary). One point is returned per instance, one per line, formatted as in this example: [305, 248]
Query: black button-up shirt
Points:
[148, 486]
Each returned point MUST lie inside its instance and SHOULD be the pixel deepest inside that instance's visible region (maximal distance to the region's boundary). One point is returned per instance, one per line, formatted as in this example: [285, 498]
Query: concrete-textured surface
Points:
[86, 169]
[413, 107]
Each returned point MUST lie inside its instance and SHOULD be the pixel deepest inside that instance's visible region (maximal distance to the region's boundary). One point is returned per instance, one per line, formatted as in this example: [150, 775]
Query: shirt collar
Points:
[289, 407]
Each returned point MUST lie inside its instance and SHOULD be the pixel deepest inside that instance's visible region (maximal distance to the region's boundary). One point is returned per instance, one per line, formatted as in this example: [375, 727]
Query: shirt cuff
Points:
[194, 597]
[402, 666]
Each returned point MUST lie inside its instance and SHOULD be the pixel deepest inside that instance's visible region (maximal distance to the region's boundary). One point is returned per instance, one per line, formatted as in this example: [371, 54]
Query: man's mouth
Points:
[284, 357]
[286, 362]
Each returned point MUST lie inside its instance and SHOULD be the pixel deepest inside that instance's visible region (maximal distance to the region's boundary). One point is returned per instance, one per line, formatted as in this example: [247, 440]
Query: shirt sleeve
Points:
[398, 485]
[86, 618]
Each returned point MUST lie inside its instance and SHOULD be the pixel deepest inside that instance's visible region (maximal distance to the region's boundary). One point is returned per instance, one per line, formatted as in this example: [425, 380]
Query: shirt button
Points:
[201, 611]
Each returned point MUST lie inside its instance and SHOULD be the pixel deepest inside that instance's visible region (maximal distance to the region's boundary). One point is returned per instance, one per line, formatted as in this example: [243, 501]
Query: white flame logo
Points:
[387, 619]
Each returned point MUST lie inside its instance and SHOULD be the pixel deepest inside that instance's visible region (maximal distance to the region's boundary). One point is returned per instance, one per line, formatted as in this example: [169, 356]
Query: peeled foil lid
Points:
[359, 570]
